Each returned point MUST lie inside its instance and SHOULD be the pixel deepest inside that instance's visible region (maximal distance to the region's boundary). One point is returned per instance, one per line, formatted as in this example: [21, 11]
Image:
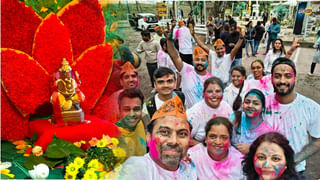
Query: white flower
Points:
[5, 165]
[40, 171]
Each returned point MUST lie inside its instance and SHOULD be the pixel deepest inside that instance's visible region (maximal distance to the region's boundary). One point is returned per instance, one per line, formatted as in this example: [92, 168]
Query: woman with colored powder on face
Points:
[238, 87]
[258, 79]
[270, 158]
[211, 106]
[249, 124]
[215, 158]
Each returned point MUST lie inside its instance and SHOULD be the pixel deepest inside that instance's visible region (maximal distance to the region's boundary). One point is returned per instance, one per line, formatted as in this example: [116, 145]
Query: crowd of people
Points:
[217, 123]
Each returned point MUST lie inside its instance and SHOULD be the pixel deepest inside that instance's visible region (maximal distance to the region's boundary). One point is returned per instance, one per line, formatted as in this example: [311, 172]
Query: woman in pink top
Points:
[249, 124]
[216, 159]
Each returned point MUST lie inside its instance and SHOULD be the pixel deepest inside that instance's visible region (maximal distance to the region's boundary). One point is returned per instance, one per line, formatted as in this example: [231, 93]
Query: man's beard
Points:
[200, 70]
[283, 93]
[170, 160]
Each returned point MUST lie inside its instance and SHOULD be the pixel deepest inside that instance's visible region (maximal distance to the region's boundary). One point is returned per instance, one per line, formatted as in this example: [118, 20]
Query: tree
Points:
[281, 11]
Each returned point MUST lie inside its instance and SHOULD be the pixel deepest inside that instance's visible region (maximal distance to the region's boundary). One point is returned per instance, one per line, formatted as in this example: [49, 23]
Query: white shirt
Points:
[192, 84]
[220, 67]
[184, 39]
[209, 169]
[294, 121]
[231, 92]
[264, 84]
[144, 168]
[157, 101]
[270, 58]
[163, 59]
[201, 113]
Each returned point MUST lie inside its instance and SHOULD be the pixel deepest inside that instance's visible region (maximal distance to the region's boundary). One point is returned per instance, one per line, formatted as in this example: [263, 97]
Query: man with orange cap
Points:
[128, 79]
[184, 39]
[220, 62]
[158, 35]
[192, 77]
[168, 140]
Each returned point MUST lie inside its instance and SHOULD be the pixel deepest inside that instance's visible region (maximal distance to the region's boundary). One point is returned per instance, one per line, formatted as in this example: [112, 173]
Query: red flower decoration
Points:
[13, 125]
[27, 83]
[86, 23]
[24, 80]
[51, 44]
[18, 25]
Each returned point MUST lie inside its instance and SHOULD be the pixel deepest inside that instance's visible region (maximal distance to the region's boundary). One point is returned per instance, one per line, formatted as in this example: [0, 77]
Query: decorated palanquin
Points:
[62, 58]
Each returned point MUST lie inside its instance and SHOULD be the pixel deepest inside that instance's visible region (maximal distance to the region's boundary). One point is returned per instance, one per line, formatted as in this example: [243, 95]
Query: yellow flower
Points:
[90, 174]
[100, 167]
[78, 162]
[78, 144]
[94, 163]
[119, 152]
[83, 142]
[115, 141]
[68, 176]
[43, 9]
[72, 169]
[7, 173]
[102, 143]
[21, 146]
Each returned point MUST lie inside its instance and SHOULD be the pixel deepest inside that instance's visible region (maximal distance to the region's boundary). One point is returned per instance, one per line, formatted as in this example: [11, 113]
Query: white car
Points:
[147, 21]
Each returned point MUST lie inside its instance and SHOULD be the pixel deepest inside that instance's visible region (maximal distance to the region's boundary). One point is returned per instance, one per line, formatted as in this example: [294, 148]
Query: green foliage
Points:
[281, 11]
[104, 155]
[35, 160]
[59, 149]
[44, 7]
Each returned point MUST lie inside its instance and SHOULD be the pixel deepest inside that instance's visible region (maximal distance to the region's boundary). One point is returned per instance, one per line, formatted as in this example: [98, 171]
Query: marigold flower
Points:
[78, 162]
[94, 163]
[72, 169]
[78, 144]
[102, 143]
[69, 176]
[19, 142]
[90, 174]
[7, 173]
[119, 152]
[37, 150]
[93, 142]
[115, 141]
[100, 167]
[21, 146]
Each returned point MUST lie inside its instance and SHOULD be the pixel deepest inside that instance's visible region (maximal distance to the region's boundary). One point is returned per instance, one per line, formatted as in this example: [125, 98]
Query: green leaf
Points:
[3, 176]
[59, 149]
[34, 138]
[35, 160]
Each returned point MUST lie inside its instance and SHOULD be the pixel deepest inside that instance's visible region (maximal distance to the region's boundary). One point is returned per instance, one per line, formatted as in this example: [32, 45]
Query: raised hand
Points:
[295, 42]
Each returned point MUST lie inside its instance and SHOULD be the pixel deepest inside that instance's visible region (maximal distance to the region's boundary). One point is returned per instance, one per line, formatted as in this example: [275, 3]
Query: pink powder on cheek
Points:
[137, 84]
[257, 166]
[153, 148]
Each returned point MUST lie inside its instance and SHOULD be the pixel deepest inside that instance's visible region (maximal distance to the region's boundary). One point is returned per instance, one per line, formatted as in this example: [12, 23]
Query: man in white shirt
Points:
[192, 77]
[150, 47]
[184, 42]
[292, 114]
[168, 141]
[220, 62]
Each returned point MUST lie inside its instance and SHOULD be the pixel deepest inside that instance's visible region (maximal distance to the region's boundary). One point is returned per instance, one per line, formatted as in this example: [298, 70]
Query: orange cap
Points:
[127, 67]
[199, 52]
[158, 28]
[171, 107]
[180, 23]
[218, 42]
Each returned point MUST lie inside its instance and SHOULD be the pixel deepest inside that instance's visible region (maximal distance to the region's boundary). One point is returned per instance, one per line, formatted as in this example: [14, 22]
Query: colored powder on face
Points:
[279, 169]
[257, 166]
[206, 64]
[137, 84]
[153, 148]
[265, 163]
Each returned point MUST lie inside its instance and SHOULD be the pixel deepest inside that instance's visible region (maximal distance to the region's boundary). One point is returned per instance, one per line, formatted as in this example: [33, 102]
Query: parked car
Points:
[147, 21]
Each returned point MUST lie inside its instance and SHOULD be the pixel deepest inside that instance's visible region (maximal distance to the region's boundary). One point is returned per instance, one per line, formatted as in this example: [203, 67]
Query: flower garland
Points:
[102, 156]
